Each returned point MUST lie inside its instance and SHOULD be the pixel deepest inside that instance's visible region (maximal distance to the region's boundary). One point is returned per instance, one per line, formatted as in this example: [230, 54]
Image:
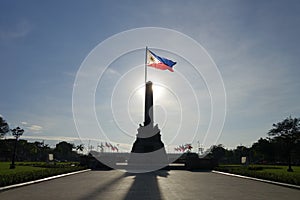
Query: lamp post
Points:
[16, 132]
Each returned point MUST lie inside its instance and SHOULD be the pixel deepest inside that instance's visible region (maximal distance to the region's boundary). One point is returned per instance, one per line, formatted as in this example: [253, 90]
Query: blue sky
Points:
[255, 45]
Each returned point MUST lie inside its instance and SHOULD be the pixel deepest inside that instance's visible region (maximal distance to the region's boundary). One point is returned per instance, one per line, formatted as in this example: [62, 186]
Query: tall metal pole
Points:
[146, 66]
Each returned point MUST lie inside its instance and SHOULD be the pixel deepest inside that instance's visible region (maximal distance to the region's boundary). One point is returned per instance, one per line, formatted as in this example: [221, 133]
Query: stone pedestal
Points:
[148, 140]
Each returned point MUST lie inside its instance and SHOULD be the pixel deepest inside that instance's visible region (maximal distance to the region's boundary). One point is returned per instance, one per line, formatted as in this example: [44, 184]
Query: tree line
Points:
[282, 146]
[37, 151]
[22, 150]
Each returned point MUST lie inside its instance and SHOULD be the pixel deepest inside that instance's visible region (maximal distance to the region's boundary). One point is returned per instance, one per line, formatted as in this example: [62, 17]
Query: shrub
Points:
[19, 177]
[263, 172]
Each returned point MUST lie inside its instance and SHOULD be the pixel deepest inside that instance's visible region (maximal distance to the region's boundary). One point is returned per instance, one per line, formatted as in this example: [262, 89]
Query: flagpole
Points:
[146, 65]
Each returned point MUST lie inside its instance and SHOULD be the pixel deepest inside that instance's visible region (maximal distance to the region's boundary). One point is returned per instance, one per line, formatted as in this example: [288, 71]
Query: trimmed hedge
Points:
[263, 173]
[21, 177]
[49, 165]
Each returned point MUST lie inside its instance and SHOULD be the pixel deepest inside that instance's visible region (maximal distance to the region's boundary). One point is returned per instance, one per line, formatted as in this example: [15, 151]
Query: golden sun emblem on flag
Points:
[152, 59]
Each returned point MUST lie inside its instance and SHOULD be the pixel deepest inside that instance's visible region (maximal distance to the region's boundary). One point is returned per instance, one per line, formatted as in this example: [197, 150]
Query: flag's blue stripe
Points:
[167, 62]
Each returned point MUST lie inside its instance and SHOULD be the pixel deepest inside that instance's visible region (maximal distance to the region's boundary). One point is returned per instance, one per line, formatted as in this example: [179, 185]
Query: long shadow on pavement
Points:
[97, 193]
[145, 186]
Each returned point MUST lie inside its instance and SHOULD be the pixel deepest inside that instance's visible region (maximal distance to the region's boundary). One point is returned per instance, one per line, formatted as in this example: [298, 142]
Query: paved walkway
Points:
[174, 184]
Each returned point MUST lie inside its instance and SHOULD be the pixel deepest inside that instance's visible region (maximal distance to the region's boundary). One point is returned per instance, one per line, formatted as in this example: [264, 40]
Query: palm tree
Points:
[80, 147]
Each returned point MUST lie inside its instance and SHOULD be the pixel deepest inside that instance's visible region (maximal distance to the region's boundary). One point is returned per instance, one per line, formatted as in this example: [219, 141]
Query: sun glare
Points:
[158, 91]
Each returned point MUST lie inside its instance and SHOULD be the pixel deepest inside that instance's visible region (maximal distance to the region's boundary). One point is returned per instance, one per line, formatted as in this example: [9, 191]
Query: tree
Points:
[4, 128]
[16, 132]
[241, 151]
[26, 151]
[263, 151]
[63, 151]
[287, 133]
[218, 152]
[64, 147]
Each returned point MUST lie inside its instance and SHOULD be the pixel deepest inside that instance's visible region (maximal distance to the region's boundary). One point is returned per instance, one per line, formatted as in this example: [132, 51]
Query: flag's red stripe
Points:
[161, 66]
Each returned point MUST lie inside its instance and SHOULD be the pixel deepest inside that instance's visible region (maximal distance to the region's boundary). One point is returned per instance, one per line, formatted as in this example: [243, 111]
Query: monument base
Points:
[146, 162]
[148, 151]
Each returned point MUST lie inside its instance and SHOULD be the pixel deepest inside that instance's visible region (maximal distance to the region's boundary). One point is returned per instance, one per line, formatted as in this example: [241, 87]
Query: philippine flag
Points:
[159, 62]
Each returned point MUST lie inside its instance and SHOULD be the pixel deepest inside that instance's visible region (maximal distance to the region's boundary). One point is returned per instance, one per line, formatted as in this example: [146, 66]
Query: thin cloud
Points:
[113, 72]
[21, 29]
[35, 128]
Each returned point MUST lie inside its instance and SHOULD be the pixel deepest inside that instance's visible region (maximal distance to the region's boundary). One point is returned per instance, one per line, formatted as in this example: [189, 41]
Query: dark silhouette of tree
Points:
[241, 151]
[287, 134]
[229, 157]
[64, 151]
[263, 151]
[4, 128]
[26, 151]
[218, 152]
[16, 132]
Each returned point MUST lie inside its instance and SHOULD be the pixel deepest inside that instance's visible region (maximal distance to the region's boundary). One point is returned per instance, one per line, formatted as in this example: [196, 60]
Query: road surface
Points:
[175, 184]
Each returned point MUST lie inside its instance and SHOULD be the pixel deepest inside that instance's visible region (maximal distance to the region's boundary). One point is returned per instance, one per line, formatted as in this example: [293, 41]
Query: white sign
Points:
[243, 160]
[50, 157]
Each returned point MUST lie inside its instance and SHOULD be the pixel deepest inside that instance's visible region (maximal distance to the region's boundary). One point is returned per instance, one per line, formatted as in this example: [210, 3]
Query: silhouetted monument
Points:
[148, 150]
[148, 137]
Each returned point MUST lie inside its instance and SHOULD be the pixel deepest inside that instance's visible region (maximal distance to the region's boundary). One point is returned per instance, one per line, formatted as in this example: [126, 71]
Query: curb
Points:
[258, 179]
[41, 180]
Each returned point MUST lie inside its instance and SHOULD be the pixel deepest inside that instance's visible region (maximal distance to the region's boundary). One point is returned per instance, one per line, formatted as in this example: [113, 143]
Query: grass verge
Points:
[267, 172]
[32, 171]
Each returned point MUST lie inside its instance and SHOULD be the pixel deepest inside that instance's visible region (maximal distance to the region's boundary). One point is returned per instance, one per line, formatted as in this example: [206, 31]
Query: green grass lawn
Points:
[4, 168]
[268, 172]
[28, 171]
